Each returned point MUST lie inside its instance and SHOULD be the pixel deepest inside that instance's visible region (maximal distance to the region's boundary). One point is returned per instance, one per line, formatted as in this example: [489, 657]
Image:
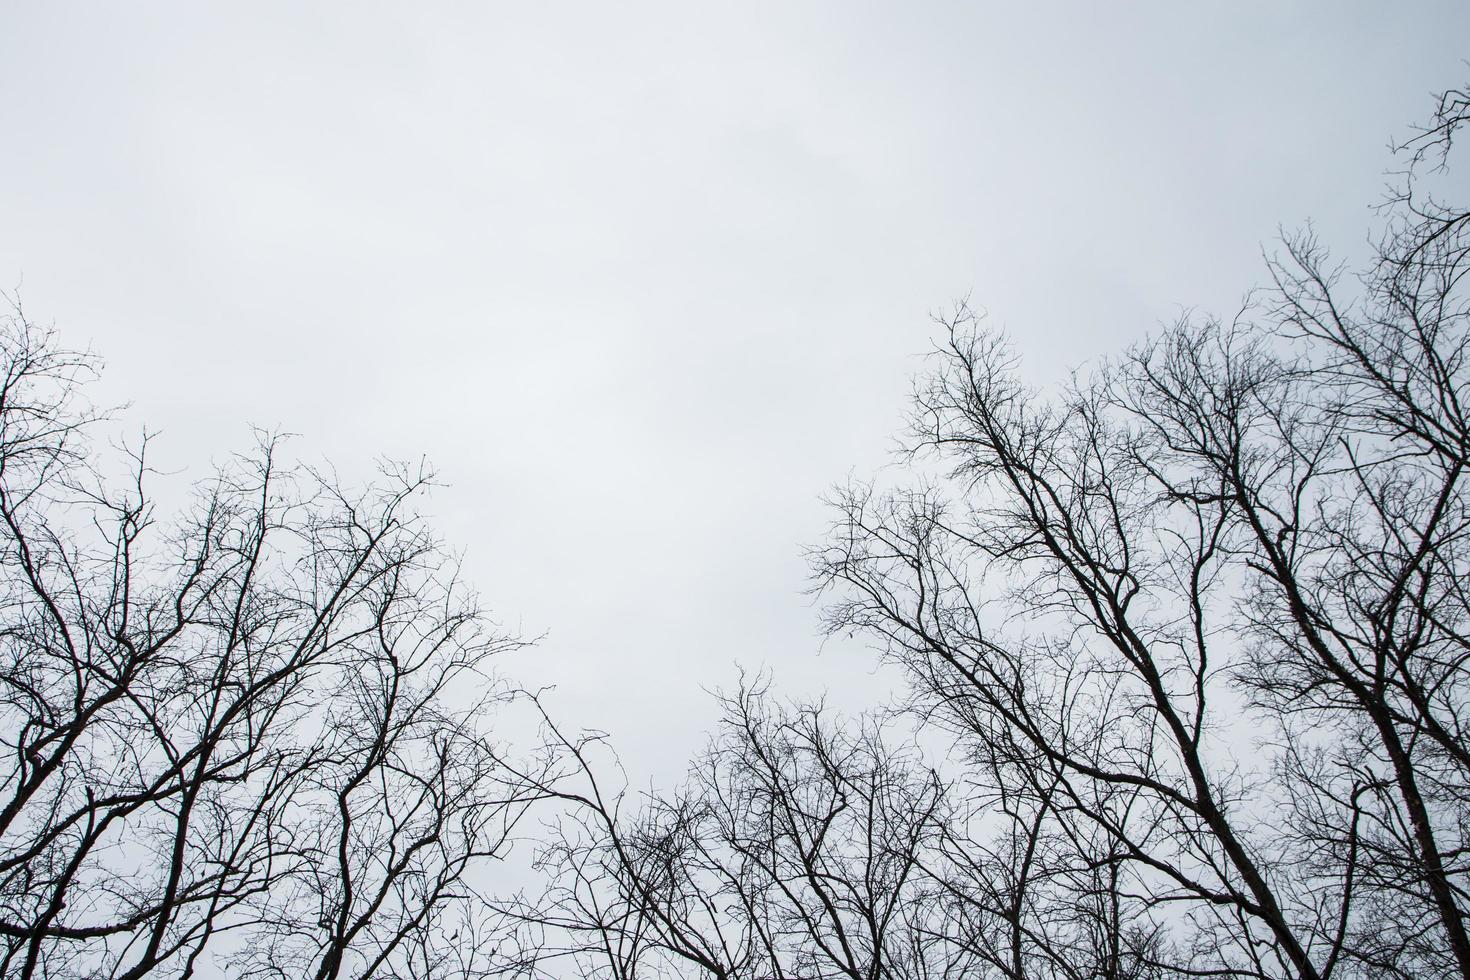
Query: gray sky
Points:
[642, 281]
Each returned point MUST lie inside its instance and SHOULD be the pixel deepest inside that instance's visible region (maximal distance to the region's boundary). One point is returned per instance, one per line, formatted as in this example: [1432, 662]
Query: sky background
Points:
[644, 281]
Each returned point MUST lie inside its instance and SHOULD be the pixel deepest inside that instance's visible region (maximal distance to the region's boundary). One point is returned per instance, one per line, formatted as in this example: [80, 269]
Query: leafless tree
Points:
[793, 850]
[252, 737]
[1205, 609]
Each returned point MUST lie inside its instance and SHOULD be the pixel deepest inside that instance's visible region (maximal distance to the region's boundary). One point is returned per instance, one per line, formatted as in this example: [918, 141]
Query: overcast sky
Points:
[643, 281]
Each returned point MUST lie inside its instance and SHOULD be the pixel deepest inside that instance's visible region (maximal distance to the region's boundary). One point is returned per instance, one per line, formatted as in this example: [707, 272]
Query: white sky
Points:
[643, 281]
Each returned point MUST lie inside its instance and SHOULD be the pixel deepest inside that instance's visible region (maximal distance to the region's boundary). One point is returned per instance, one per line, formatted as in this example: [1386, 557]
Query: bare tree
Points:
[793, 850]
[1205, 609]
[251, 736]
